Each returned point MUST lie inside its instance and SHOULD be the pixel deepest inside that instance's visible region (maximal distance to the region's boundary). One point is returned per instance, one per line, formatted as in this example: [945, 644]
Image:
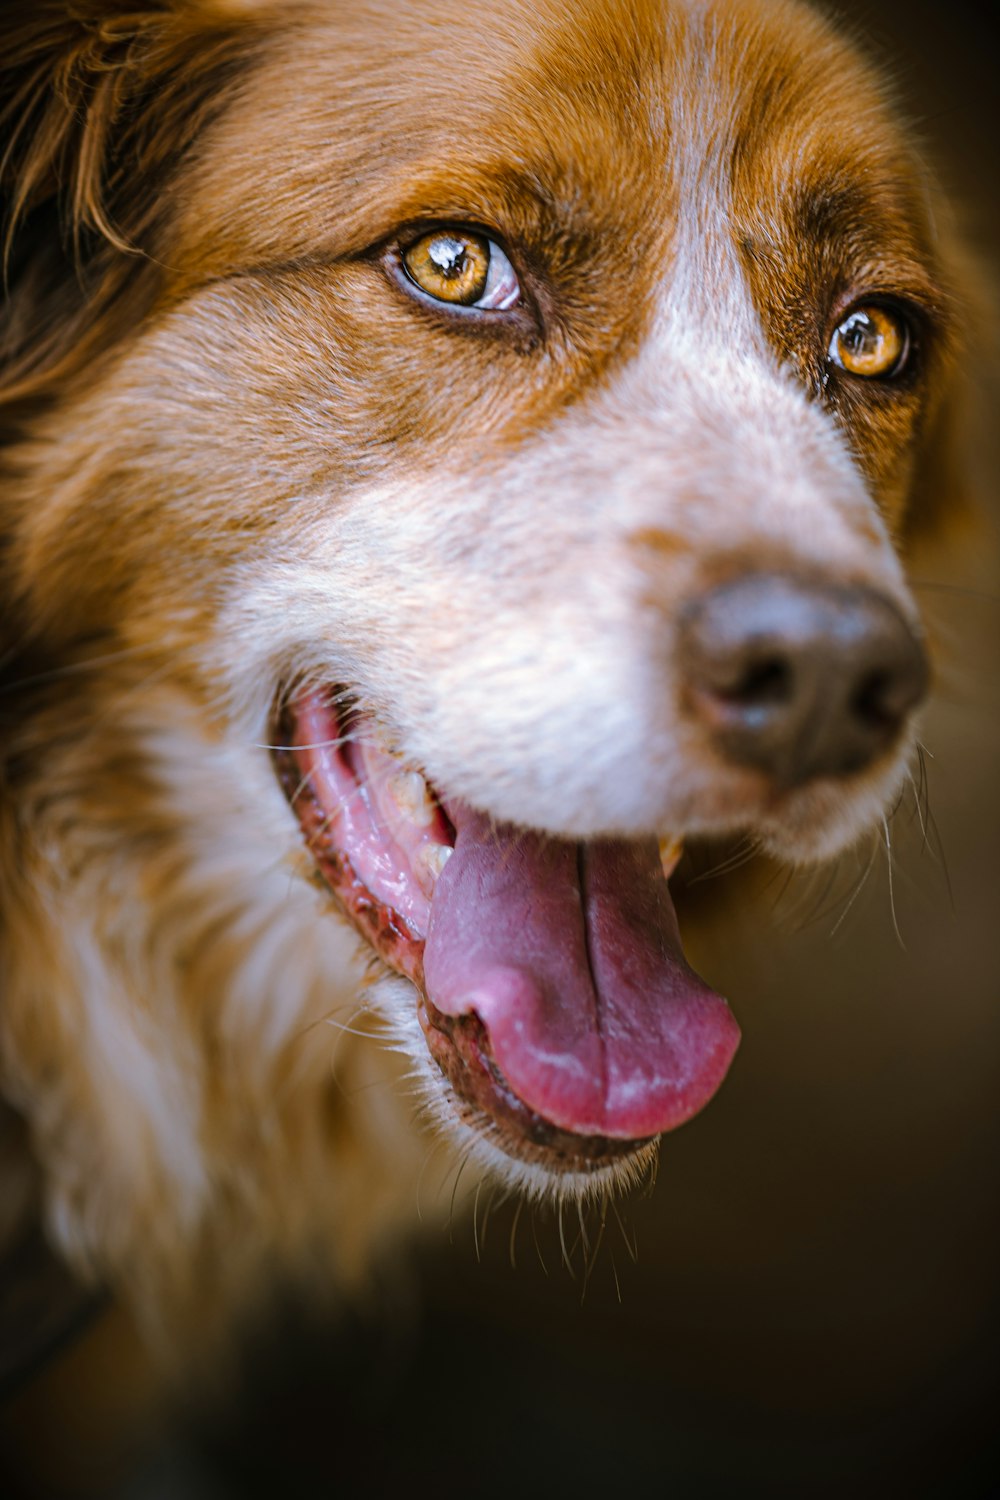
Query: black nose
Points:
[800, 679]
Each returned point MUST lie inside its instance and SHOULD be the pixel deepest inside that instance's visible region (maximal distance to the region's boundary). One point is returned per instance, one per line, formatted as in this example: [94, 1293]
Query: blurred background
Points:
[808, 1302]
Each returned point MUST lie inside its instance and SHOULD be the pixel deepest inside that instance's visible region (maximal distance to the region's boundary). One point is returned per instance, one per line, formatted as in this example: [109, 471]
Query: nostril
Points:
[762, 684]
[876, 702]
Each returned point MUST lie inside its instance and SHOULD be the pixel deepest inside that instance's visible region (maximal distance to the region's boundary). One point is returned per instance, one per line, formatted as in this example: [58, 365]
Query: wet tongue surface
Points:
[570, 956]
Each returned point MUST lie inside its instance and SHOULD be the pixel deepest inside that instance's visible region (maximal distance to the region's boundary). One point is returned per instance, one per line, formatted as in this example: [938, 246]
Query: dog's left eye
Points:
[872, 341]
[462, 269]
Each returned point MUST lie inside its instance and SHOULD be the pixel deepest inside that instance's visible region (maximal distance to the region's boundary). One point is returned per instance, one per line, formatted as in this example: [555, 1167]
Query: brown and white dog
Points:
[447, 463]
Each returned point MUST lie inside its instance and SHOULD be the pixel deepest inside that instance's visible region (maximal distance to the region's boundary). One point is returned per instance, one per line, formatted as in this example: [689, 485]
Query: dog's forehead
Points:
[595, 122]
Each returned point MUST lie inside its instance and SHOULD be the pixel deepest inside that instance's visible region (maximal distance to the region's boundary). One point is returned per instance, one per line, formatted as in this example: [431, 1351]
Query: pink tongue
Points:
[570, 956]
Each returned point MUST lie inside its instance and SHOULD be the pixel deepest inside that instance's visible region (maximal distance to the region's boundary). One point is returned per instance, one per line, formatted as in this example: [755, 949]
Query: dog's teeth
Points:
[408, 790]
[670, 852]
[433, 858]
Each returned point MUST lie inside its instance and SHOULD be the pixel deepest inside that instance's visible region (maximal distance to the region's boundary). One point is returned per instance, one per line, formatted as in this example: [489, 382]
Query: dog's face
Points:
[520, 436]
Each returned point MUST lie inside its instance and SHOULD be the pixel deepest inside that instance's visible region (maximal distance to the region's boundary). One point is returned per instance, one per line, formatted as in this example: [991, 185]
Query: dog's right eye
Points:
[462, 269]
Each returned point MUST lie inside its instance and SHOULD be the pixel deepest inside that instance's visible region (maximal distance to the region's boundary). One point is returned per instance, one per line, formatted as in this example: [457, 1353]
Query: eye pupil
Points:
[448, 257]
[858, 333]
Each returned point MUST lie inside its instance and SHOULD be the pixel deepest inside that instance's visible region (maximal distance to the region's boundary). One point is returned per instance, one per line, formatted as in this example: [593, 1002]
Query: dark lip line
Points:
[459, 1045]
[461, 1048]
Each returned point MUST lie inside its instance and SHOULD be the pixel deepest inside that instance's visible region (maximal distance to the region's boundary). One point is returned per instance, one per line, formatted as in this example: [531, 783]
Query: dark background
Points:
[813, 1309]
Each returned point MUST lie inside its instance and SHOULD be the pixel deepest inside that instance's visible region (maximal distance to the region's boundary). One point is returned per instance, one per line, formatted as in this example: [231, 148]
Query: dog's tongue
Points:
[570, 956]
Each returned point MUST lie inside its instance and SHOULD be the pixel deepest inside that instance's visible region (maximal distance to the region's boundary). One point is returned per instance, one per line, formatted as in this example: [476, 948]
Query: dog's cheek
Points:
[256, 409]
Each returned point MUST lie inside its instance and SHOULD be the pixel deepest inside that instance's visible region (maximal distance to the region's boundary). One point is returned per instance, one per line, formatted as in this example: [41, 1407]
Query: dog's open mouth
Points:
[552, 989]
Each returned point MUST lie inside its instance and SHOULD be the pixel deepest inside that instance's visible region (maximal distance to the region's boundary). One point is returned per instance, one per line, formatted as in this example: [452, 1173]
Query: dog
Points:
[446, 467]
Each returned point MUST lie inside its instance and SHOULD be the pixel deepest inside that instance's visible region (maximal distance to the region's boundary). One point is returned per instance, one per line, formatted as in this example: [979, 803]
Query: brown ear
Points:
[99, 101]
[93, 92]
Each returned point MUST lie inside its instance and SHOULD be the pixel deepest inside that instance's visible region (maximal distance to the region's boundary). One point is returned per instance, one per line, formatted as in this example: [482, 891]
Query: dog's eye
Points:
[463, 269]
[871, 341]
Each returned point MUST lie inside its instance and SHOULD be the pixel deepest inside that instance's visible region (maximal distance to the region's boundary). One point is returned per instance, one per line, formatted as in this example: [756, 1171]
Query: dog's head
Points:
[516, 421]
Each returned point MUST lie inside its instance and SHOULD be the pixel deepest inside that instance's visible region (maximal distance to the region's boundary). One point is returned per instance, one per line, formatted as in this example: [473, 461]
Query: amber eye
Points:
[871, 341]
[463, 269]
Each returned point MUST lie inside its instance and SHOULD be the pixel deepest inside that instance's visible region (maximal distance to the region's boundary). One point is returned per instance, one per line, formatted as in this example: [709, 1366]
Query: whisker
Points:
[580, 1239]
[859, 887]
[303, 783]
[602, 1225]
[585, 1242]
[633, 1250]
[562, 1241]
[922, 793]
[538, 1248]
[513, 1234]
[746, 850]
[349, 1030]
[783, 888]
[432, 1151]
[937, 850]
[918, 811]
[458, 1177]
[892, 897]
[475, 1221]
[589, 1255]
[934, 841]
[957, 589]
[654, 1172]
[820, 907]
[331, 744]
[492, 1202]
[74, 668]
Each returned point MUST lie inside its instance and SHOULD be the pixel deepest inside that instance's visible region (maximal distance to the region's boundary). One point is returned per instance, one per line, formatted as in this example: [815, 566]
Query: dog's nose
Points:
[800, 679]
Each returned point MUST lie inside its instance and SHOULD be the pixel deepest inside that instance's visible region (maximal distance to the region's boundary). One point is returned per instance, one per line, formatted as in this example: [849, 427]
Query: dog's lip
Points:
[461, 1047]
[554, 993]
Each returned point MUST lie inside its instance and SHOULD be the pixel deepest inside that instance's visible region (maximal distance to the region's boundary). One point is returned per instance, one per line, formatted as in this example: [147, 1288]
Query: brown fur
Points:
[210, 389]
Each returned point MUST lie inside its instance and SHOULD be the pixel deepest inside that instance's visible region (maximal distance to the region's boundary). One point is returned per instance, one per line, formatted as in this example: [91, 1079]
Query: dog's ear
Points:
[99, 102]
[98, 95]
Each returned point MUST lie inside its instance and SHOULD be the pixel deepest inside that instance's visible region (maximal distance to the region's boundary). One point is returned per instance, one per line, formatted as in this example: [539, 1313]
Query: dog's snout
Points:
[797, 678]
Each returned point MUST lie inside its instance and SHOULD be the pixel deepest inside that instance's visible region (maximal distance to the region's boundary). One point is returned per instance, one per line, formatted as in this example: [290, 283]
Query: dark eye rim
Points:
[912, 324]
[520, 320]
